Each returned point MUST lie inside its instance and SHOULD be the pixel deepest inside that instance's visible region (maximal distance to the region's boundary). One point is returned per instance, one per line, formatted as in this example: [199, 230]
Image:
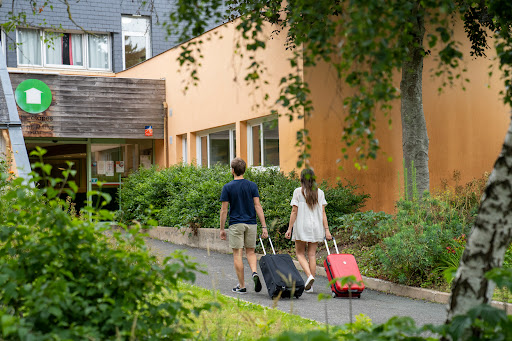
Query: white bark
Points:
[489, 238]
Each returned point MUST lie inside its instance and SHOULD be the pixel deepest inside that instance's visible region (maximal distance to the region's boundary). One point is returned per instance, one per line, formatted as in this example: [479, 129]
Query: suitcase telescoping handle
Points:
[327, 246]
[263, 247]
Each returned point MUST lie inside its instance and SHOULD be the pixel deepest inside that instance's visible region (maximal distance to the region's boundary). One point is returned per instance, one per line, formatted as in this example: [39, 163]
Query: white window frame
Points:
[232, 135]
[18, 53]
[61, 66]
[85, 51]
[184, 149]
[250, 124]
[147, 34]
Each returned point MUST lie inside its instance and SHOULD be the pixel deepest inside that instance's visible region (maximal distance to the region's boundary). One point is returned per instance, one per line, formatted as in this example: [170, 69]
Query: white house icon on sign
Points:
[33, 96]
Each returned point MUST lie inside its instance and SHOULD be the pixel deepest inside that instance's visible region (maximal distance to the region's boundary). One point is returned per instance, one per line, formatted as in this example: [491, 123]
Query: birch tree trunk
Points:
[488, 240]
[414, 127]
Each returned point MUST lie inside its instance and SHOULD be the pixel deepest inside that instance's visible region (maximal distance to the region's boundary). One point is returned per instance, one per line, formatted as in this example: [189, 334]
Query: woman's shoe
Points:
[309, 282]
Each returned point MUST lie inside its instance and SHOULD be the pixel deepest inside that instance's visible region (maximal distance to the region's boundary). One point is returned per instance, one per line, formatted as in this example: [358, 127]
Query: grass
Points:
[236, 319]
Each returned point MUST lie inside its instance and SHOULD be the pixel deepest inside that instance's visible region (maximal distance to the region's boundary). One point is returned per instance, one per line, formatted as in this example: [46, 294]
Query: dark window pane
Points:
[271, 143]
[256, 146]
[219, 148]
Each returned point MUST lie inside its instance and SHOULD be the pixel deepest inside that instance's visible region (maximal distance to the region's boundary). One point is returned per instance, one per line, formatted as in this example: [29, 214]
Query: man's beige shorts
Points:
[241, 235]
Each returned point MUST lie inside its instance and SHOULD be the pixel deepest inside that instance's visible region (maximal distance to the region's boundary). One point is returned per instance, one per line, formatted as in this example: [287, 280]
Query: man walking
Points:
[243, 199]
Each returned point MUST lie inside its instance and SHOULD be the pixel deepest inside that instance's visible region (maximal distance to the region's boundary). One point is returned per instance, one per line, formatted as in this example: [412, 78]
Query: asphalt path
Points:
[380, 307]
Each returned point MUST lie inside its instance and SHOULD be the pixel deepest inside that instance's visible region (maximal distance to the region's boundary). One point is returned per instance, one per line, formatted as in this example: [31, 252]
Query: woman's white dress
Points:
[308, 226]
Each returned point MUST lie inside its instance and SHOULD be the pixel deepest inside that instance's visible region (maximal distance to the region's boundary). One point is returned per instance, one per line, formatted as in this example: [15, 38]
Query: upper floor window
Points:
[63, 50]
[263, 143]
[136, 40]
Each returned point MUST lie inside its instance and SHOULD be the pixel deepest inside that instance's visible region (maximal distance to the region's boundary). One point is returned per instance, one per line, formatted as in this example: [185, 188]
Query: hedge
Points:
[185, 195]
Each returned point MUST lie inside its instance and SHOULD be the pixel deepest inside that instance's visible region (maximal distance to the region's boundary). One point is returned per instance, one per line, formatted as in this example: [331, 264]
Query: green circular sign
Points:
[33, 96]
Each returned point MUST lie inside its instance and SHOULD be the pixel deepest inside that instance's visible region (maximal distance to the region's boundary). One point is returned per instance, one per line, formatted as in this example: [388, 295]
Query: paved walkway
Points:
[378, 306]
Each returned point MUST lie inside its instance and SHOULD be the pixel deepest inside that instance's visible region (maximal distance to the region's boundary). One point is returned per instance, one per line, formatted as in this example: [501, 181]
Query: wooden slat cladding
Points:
[96, 107]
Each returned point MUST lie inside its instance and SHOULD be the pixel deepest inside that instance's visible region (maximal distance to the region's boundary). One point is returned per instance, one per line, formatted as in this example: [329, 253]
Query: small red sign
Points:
[149, 131]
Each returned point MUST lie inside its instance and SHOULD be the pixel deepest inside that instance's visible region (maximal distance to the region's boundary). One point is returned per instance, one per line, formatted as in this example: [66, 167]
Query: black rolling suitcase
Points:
[280, 274]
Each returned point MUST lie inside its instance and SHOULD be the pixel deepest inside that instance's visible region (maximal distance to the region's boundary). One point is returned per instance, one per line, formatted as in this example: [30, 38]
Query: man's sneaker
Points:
[309, 282]
[239, 290]
[257, 282]
[309, 291]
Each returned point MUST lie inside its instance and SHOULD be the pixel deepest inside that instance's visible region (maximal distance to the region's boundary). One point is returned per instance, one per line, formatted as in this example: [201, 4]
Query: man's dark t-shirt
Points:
[240, 194]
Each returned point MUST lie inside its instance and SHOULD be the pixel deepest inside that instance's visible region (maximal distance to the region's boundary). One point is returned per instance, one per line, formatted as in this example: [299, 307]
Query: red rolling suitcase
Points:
[343, 265]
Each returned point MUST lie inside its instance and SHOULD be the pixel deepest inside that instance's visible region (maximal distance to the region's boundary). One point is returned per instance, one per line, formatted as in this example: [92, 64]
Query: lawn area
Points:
[236, 319]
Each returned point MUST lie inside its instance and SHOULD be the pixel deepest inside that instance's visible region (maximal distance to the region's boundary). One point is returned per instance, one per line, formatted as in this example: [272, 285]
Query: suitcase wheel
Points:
[333, 294]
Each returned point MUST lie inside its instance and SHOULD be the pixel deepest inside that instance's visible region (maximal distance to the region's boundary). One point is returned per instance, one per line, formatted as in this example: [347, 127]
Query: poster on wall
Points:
[101, 167]
[110, 168]
[119, 166]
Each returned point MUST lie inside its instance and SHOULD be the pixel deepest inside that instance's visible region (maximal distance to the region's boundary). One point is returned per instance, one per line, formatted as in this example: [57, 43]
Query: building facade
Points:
[102, 37]
[107, 126]
[466, 128]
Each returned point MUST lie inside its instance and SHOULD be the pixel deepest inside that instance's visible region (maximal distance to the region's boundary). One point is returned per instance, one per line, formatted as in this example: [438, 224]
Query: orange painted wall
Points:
[466, 130]
[221, 97]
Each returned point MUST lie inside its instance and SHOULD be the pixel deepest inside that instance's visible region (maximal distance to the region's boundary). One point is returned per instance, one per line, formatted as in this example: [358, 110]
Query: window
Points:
[263, 143]
[136, 40]
[184, 150]
[63, 50]
[29, 47]
[217, 147]
[99, 51]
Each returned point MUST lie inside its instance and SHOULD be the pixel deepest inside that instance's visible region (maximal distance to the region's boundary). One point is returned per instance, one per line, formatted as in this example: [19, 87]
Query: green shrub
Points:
[184, 195]
[421, 231]
[62, 278]
[368, 228]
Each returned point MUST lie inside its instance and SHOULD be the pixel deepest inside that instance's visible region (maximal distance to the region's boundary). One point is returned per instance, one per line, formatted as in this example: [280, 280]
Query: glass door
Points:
[112, 162]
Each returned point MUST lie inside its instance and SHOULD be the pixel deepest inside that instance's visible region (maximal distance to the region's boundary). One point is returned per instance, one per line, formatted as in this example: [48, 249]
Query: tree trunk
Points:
[489, 238]
[414, 126]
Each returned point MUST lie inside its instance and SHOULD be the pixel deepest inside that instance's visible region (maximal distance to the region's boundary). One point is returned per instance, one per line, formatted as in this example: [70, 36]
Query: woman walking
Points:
[308, 223]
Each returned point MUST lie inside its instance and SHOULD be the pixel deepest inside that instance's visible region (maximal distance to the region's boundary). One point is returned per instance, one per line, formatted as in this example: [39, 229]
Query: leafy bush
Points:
[366, 227]
[62, 278]
[185, 195]
[421, 231]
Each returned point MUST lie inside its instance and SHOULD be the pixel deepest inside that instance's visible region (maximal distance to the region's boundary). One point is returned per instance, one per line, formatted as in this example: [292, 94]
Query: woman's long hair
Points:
[309, 187]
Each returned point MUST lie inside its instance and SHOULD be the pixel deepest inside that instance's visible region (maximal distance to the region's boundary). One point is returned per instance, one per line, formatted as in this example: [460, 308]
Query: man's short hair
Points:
[238, 166]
